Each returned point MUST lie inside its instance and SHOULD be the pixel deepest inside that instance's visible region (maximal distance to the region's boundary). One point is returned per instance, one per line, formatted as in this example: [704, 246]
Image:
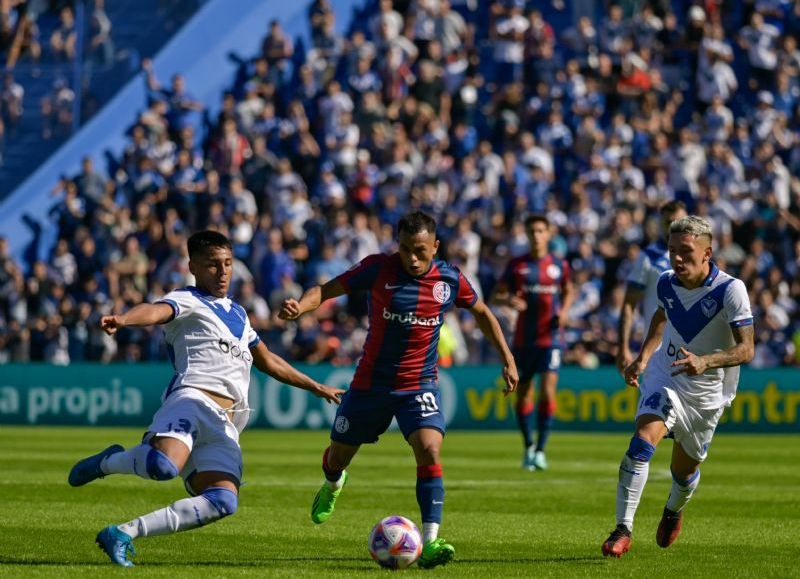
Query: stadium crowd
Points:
[479, 113]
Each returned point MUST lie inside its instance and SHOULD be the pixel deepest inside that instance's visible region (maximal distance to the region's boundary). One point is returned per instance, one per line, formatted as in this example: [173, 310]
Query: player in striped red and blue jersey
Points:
[537, 285]
[408, 295]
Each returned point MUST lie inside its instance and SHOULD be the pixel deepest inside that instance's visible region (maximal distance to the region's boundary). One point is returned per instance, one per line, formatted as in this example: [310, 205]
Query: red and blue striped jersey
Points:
[405, 316]
[541, 282]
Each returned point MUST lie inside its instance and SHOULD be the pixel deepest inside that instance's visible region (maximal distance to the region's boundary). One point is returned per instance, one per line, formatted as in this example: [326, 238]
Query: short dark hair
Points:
[672, 207]
[536, 218]
[416, 222]
[202, 241]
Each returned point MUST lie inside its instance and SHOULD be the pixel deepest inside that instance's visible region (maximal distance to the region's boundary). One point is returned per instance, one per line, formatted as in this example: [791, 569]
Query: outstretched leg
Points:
[335, 460]
[633, 471]
[217, 497]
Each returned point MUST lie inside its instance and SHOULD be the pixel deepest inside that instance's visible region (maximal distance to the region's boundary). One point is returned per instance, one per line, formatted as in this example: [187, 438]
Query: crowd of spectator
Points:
[22, 41]
[479, 113]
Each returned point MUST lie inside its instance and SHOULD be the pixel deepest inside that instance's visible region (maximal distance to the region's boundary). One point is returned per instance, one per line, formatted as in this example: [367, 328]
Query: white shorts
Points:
[692, 428]
[202, 425]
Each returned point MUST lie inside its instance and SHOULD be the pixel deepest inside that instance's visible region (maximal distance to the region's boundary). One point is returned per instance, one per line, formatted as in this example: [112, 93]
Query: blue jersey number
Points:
[653, 402]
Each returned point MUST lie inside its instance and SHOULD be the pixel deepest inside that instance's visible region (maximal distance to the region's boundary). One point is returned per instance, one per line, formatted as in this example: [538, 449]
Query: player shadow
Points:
[581, 560]
[262, 562]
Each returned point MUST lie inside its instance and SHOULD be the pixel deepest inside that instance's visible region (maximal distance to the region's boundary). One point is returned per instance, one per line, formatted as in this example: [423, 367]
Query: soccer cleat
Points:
[88, 469]
[527, 459]
[669, 528]
[325, 501]
[540, 460]
[117, 545]
[435, 553]
[618, 542]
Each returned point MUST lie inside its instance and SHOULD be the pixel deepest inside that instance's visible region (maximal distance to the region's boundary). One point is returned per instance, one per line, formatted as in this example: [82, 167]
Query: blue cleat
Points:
[88, 469]
[117, 545]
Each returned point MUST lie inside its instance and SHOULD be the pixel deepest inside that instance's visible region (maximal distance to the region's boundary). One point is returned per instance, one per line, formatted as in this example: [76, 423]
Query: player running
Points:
[653, 260]
[195, 433]
[409, 292]
[704, 317]
[537, 285]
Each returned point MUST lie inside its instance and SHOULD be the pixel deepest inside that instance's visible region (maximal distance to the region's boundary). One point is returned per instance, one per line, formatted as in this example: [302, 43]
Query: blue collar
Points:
[712, 275]
[203, 292]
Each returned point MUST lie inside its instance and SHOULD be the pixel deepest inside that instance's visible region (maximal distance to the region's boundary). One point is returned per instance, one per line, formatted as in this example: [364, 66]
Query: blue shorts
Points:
[364, 415]
[532, 360]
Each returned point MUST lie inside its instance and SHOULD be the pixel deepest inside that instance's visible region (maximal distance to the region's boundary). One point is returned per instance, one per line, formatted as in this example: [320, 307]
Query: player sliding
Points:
[409, 292]
[704, 317]
[537, 285]
[195, 433]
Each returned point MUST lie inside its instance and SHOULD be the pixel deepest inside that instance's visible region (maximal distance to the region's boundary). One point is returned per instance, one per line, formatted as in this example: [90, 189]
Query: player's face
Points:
[689, 257]
[417, 251]
[668, 218]
[539, 237]
[213, 270]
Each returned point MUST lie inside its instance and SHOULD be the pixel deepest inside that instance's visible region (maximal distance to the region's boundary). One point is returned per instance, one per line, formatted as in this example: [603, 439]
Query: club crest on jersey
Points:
[553, 271]
[342, 425]
[441, 291]
[709, 307]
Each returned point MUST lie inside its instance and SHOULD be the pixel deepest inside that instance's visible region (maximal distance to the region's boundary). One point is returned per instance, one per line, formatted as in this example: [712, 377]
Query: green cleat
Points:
[539, 460]
[325, 501]
[435, 553]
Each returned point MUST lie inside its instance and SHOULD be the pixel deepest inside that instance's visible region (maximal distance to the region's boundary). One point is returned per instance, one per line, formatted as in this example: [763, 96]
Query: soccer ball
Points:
[395, 542]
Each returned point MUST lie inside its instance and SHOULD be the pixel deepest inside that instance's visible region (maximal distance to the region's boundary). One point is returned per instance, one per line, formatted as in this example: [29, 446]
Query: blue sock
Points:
[544, 420]
[524, 419]
[430, 493]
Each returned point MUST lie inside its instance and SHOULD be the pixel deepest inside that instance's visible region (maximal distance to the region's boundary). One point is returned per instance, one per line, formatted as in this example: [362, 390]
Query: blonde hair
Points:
[692, 225]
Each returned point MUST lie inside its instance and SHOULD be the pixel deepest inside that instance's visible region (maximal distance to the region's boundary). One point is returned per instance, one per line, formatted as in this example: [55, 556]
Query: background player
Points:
[653, 260]
[537, 285]
[195, 433]
[704, 317]
[409, 293]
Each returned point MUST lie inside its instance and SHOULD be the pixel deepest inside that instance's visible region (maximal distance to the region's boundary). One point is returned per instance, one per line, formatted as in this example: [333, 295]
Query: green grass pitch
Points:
[743, 522]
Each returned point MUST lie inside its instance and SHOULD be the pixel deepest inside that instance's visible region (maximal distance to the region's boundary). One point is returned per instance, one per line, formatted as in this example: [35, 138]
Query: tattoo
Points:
[741, 353]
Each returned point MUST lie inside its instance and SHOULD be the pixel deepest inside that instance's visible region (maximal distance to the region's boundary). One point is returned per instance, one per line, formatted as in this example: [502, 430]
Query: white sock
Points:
[181, 515]
[429, 532]
[131, 461]
[632, 478]
[335, 484]
[681, 492]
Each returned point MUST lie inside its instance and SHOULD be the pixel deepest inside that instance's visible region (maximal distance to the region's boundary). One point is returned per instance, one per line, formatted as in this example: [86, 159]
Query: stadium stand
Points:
[479, 113]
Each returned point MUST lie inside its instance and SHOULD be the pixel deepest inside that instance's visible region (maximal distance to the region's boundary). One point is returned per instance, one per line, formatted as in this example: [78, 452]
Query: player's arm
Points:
[633, 296]
[651, 343]
[282, 371]
[141, 315]
[741, 353]
[492, 330]
[311, 300]
[567, 297]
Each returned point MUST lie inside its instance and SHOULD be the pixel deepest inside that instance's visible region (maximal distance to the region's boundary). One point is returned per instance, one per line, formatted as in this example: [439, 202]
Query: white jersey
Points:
[700, 320]
[653, 260]
[209, 341]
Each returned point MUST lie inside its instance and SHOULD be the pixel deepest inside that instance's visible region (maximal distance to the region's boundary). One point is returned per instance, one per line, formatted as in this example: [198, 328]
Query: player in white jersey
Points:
[195, 433]
[704, 327]
[653, 260]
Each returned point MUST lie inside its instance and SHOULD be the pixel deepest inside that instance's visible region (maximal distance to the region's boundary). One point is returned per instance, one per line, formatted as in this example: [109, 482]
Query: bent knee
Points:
[224, 500]
[160, 466]
[640, 449]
